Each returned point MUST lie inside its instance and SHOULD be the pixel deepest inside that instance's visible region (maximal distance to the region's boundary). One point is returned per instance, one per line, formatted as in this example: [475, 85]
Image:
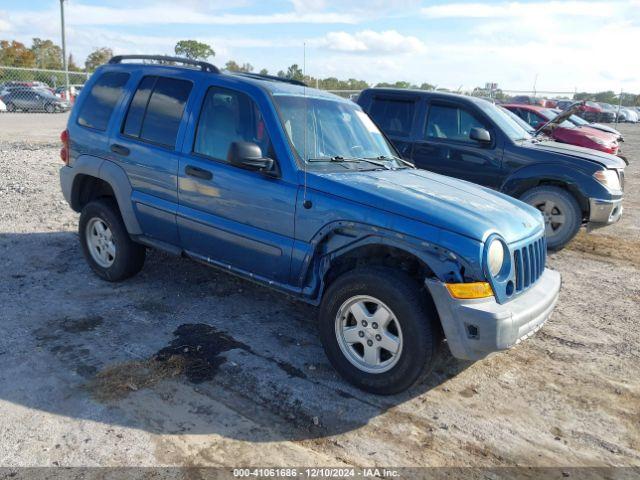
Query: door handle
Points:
[119, 149]
[198, 172]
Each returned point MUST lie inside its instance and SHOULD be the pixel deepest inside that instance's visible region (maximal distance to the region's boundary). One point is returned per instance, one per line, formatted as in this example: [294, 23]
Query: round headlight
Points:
[495, 258]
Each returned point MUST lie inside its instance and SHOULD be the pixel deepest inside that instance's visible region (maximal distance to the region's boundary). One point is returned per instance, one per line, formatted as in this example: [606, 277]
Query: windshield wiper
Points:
[397, 159]
[335, 158]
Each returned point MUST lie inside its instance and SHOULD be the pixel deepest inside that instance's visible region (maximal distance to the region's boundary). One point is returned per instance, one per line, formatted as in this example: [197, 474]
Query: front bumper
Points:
[604, 212]
[475, 328]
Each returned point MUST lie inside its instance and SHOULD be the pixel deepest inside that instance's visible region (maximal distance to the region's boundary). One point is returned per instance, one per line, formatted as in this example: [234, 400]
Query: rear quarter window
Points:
[98, 106]
[394, 117]
[156, 110]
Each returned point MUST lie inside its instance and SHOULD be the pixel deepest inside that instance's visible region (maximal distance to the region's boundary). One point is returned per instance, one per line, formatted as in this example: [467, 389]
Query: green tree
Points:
[398, 84]
[233, 66]
[294, 72]
[71, 64]
[16, 54]
[98, 57]
[47, 54]
[264, 71]
[194, 50]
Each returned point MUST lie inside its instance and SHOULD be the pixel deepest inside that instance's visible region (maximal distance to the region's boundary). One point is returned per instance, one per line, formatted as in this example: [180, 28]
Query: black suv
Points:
[472, 139]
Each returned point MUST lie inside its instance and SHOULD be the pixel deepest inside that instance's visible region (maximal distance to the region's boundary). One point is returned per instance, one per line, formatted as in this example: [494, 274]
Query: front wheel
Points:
[561, 212]
[378, 329]
[49, 108]
[11, 107]
[106, 244]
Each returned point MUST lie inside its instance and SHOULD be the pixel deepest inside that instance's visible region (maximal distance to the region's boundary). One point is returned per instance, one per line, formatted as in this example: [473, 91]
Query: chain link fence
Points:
[38, 90]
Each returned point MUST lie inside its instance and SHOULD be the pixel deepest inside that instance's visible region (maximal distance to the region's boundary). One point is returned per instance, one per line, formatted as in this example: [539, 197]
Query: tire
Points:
[11, 107]
[556, 203]
[106, 244]
[49, 108]
[413, 324]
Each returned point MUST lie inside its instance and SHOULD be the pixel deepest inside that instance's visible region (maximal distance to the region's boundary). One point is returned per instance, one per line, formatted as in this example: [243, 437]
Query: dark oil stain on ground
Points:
[79, 325]
[200, 346]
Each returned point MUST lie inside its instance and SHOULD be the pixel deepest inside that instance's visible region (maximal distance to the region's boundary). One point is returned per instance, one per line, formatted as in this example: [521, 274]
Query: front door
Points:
[227, 215]
[446, 147]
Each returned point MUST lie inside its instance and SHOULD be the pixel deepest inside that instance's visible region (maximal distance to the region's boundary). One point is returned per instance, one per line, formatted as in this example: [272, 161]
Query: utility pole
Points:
[64, 51]
[535, 81]
[619, 106]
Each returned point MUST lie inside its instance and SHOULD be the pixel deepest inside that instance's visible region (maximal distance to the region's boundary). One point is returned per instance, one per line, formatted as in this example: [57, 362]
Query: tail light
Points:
[64, 151]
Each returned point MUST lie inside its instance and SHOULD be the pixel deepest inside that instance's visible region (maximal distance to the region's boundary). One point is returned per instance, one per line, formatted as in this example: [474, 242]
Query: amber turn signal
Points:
[467, 291]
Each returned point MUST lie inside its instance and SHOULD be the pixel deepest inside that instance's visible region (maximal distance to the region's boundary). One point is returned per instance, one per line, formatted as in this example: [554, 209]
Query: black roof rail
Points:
[204, 66]
[273, 78]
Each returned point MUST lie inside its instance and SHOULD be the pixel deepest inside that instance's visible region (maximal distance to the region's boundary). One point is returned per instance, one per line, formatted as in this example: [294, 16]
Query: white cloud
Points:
[163, 13]
[518, 9]
[386, 42]
[363, 7]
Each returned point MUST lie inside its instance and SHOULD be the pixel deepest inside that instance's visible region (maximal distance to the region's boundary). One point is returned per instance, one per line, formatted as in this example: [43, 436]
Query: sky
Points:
[584, 45]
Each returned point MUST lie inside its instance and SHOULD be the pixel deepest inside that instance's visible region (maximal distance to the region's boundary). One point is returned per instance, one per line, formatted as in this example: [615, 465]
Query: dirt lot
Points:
[81, 384]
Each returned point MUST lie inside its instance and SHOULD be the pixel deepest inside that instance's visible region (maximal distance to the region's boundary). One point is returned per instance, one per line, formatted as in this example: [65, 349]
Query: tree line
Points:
[45, 54]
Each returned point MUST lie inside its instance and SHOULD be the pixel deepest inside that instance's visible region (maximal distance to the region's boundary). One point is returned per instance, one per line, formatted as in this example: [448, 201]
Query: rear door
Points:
[146, 147]
[229, 216]
[445, 146]
[395, 114]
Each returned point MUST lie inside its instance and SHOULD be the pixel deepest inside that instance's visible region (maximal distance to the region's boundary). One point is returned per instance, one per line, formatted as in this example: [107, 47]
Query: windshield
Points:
[505, 121]
[335, 131]
[577, 120]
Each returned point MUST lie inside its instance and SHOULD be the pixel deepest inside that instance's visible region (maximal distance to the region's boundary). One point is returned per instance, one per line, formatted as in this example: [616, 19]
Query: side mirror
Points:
[248, 155]
[480, 135]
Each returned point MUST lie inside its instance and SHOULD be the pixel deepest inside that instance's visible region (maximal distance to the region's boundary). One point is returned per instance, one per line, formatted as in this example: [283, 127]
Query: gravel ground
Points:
[81, 384]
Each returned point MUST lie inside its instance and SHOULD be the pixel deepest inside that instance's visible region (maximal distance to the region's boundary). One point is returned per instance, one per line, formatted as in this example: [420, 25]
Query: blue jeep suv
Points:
[297, 189]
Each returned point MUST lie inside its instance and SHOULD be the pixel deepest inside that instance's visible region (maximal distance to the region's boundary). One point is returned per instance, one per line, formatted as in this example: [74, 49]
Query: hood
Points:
[444, 202]
[577, 134]
[605, 128]
[604, 159]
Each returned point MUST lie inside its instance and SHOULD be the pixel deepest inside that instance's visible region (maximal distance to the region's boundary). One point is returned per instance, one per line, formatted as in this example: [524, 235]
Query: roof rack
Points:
[273, 78]
[204, 66]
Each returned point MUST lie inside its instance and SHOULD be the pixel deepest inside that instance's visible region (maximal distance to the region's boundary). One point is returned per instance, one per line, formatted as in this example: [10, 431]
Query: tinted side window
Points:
[452, 123]
[133, 123]
[156, 110]
[394, 117]
[228, 116]
[103, 96]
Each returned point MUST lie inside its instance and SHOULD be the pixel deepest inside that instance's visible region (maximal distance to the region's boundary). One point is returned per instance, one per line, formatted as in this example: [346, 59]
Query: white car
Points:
[628, 115]
[3, 107]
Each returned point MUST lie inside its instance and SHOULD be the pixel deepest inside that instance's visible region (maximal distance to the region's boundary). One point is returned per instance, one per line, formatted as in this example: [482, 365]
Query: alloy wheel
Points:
[100, 242]
[369, 334]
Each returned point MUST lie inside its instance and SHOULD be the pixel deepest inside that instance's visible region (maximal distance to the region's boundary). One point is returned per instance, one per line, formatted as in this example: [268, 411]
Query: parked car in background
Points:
[528, 100]
[3, 107]
[590, 111]
[296, 189]
[628, 115]
[471, 139]
[563, 103]
[559, 128]
[29, 99]
[609, 113]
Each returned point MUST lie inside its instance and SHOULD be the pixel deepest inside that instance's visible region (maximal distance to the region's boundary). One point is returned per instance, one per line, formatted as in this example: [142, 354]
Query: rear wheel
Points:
[106, 244]
[11, 107]
[378, 329]
[561, 212]
[49, 108]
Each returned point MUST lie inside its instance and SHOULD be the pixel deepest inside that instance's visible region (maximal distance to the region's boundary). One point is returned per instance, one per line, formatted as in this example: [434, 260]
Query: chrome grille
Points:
[529, 262]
